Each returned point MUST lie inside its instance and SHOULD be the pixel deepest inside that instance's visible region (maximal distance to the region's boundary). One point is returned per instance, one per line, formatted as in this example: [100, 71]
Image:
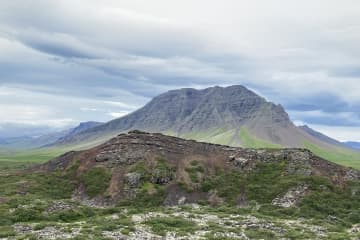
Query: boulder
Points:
[133, 179]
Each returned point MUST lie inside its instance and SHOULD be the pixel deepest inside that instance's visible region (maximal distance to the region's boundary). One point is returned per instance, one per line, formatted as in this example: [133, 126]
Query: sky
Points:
[64, 62]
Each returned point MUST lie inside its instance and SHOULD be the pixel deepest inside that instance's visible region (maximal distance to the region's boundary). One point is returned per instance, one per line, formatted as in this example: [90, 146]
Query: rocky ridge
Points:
[170, 163]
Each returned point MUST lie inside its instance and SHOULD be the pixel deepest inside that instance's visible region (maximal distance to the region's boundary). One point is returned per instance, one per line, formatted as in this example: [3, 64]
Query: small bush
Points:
[96, 181]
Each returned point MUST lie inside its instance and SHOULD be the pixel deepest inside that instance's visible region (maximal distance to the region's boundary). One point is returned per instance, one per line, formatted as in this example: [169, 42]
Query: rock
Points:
[292, 197]
[133, 179]
[352, 175]
[160, 176]
[59, 206]
[182, 200]
[214, 199]
[102, 157]
[240, 162]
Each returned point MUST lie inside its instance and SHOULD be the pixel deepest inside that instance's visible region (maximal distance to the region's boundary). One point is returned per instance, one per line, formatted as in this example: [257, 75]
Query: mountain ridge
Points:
[187, 110]
[233, 116]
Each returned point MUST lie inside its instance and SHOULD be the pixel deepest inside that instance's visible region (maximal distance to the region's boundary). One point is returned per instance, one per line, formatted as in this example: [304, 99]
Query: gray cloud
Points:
[303, 55]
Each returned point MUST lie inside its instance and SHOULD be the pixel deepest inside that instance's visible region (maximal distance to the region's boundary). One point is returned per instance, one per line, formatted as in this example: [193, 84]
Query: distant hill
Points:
[321, 136]
[77, 130]
[31, 142]
[233, 115]
[354, 145]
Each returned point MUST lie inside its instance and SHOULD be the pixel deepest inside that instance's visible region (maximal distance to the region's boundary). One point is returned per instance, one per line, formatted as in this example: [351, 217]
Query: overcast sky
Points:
[62, 62]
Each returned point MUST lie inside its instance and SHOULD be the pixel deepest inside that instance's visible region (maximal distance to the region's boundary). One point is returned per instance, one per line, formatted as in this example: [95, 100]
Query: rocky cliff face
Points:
[142, 165]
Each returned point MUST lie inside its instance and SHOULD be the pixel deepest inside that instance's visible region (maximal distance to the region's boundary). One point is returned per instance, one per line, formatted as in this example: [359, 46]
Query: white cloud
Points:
[118, 114]
[113, 56]
[339, 133]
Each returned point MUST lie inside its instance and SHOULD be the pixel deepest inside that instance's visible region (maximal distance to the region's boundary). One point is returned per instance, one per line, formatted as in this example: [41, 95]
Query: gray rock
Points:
[352, 175]
[133, 179]
[160, 176]
[292, 197]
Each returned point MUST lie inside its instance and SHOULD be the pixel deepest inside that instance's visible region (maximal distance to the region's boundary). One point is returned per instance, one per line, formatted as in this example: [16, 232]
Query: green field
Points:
[337, 155]
[10, 160]
[222, 136]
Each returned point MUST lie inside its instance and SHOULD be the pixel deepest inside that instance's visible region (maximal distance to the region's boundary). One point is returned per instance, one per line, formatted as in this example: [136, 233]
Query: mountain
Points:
[233, 115]
[354, 145]
[321, 136]
[207, 112]
[31, 142]
[77, 130]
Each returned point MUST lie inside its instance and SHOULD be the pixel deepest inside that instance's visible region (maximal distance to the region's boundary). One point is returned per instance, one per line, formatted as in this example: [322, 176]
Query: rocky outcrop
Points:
[162, 162]
[133, 179]
[292, 197]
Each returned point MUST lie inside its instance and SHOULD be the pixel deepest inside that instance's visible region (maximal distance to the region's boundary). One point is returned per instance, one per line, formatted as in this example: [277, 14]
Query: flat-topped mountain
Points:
[141, 165]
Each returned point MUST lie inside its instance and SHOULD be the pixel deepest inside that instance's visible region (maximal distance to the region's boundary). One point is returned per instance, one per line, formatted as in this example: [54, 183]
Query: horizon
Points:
[110, 58]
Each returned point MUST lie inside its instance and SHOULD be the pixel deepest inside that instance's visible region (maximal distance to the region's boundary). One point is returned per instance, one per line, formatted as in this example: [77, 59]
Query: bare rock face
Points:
[165, 162]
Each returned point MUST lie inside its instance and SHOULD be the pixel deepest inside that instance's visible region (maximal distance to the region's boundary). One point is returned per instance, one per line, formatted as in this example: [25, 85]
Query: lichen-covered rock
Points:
[292, 197]
[57, 206]
[133, 179]
[352, 175]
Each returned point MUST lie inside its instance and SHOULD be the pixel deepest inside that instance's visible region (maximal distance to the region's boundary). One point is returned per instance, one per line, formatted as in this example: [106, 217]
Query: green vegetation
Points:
[6, 231]
[27, 197]
[150, 173]
[250, 141]
[269, 181]
[11, 160]
[161, 225]
[222, 136]
[337, 155]
[195, 171]
[96, 180]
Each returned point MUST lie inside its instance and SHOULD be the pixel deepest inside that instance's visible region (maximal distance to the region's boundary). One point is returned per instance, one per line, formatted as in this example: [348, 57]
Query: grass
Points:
[222, 136]
[195, 171]
[337, 155]
[27, 196]
[12, 160]
[250, 141]
[96, 181]
[161, 225]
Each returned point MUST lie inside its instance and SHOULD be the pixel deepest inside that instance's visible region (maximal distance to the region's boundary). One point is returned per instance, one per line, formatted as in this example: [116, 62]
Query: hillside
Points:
[122, 190]
[354, 145]
[232, 116]
[175, 163]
